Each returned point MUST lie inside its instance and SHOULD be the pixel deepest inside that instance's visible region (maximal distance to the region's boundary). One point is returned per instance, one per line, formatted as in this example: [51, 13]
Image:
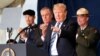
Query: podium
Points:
[21, 50]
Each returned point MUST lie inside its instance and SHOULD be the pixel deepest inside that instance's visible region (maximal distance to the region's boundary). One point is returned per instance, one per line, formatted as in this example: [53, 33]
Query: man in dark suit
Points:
[87, 36]
[31, 31]
[47, 16]
[60, 36]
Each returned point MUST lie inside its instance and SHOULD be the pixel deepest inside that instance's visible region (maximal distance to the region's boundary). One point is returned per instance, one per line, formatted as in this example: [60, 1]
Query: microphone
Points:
[21, 32]
[14, 40]
[32, 27]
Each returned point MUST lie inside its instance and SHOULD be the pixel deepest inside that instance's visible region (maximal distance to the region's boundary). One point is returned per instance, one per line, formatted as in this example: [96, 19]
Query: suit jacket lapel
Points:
[48, 37]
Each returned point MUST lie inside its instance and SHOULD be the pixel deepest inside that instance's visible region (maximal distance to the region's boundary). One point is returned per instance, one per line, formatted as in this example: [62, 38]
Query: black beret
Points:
[29, 12]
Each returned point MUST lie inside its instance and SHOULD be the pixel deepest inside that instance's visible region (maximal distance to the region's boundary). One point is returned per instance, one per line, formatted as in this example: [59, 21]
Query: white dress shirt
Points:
[53, 50]
[42, 38]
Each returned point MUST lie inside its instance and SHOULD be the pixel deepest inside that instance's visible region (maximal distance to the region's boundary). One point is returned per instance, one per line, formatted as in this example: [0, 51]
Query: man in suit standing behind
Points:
[60, 36]
[86, 36]
[47, 16]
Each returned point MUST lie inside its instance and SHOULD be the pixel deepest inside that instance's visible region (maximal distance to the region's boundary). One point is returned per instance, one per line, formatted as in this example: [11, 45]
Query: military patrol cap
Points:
[82, 12]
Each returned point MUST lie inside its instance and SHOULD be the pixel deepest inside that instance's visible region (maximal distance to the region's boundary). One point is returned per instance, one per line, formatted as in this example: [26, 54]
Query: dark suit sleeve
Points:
[39, 41]
[88, 40]
[37, 37]
[69, 30]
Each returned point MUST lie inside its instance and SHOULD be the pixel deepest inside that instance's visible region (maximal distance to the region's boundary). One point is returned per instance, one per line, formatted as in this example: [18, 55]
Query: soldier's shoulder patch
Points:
[94, 30]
